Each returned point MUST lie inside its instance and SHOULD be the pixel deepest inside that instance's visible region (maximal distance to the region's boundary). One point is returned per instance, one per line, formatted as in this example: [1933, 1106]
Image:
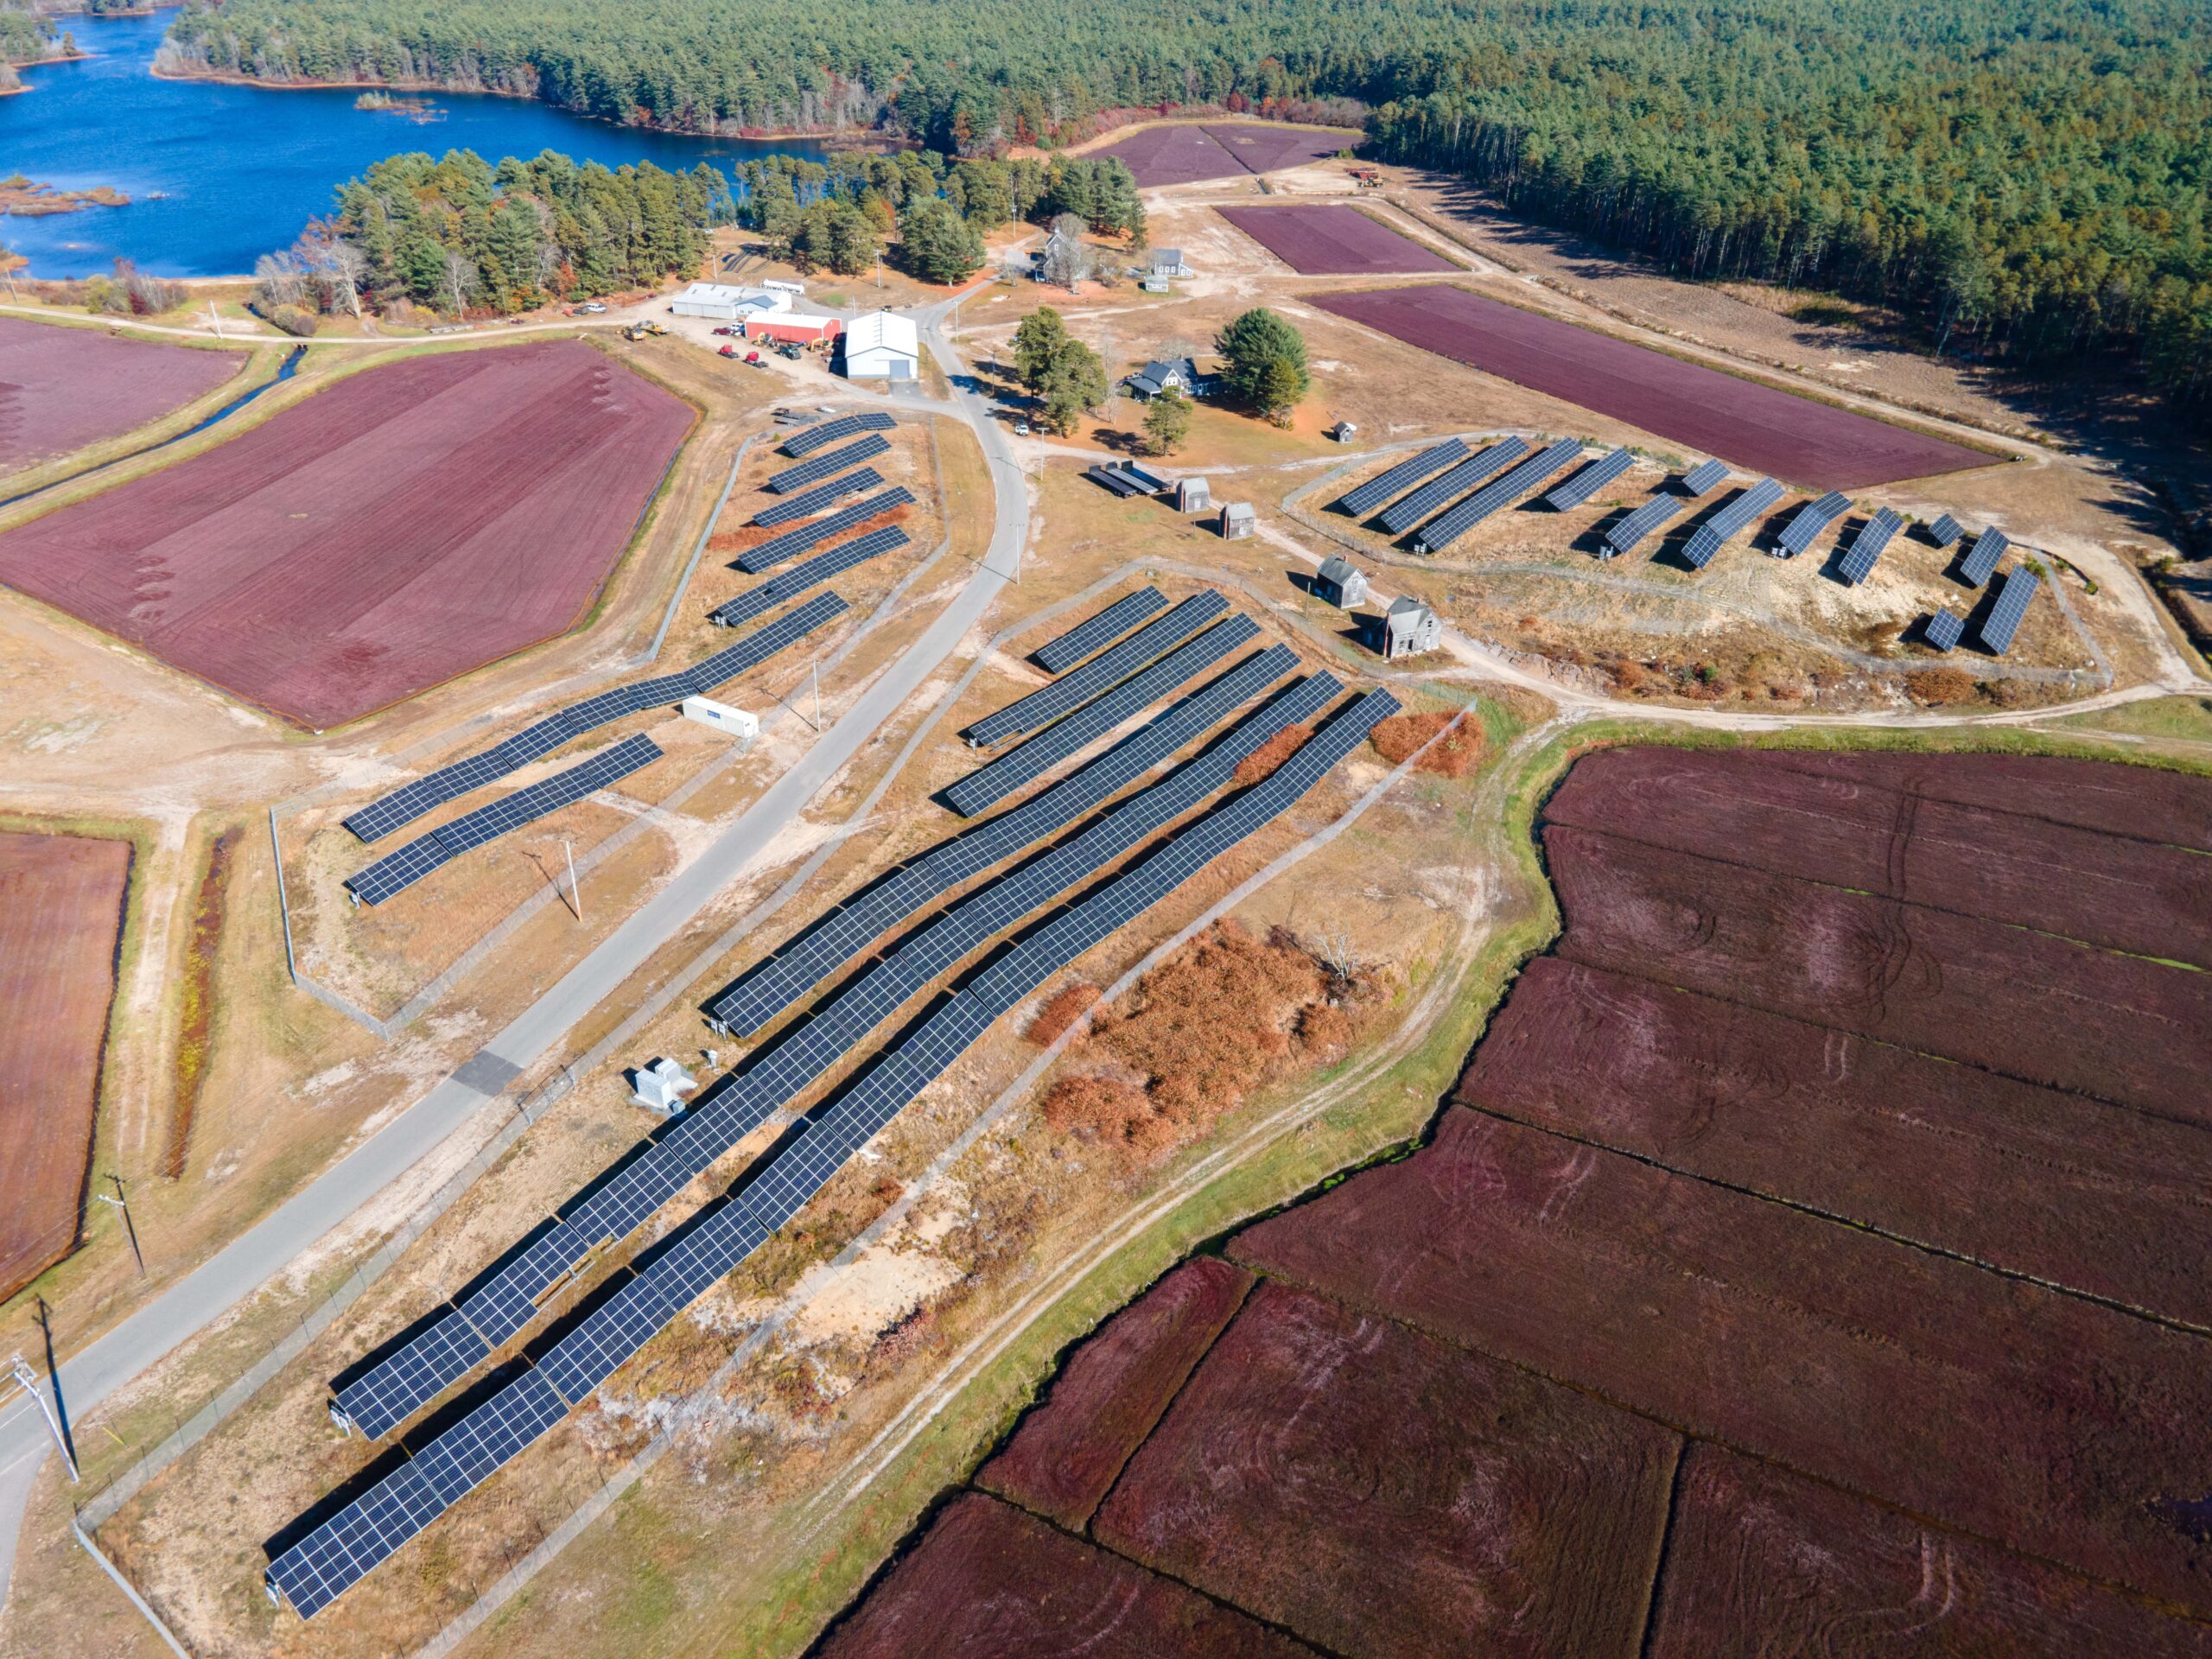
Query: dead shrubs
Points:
[1399, 738]
[1061, 1010]
[1258, 766]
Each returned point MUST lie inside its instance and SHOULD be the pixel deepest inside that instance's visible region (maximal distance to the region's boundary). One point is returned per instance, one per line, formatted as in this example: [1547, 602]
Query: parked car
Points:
[725, 329]
[1021, 428]
[591, 308]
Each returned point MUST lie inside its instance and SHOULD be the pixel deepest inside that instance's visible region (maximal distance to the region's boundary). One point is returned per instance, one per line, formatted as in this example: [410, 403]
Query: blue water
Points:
[219, 175]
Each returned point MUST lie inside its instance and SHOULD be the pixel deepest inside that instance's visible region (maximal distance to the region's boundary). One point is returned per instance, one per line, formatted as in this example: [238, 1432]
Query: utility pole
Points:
[21, 1368]
[814, 673]
[123, 1202]
[575, 893]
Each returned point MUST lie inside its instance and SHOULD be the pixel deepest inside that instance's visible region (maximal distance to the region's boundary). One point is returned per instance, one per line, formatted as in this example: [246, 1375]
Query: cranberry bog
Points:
[1334, 240]
[411, 522]
[1228, 149]
[61, 388]
[61, 899]
[1752, 426]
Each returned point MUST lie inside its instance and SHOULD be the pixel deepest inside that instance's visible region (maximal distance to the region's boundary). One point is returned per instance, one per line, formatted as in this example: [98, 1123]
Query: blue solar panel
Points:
[1729, 522]
[2004, 620]
[1465, 476]
[1623, 536]
[820, 467]
[793, 542]
[1866, 547]
[811, 572]
[1367, 497]
[807, 441]
[1945, 530]
[1591, 480]
[1945, 630]
[814, 501]
[1449, 526]
[1805, 526]
[1108, 669]
[1704, 478]
[1981, 558]
[1064, 651]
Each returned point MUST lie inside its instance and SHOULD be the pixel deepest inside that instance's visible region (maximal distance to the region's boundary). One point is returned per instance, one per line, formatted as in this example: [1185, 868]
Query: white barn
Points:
[726, 302]
[882, 345]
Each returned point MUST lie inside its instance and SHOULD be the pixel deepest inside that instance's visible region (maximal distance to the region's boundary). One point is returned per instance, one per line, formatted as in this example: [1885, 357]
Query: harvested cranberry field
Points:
[1333, 240]
[61, 388]
[1747, 1301]
[1757, 427]
[1183, 155]
[60, 917]
[409, 523]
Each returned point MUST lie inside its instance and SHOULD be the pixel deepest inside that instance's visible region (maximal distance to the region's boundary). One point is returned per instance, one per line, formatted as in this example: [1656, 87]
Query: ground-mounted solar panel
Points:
[1591, 480]
[815, 468]
[1866, 548]
[806, 442]
[1623, 536]
[1449, 486]
[990, 784]
[2004, 616]
[1109, 668]
[1731, 522]
[1945, 630]
[1806, 524]
[1365, 499]
[816, 500]
[1451, 524]
[1981, 561]
[806, 537]
[810, 573]
[1945, 530]
[1064, 651]
[333, 1556]
[1704, 478]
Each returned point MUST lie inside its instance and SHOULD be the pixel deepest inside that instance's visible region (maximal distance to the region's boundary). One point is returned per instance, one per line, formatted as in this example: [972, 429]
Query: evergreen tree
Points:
[1263, 362]
[1167, 421]
[1074, 380]
[1037, 342]
[938, 246]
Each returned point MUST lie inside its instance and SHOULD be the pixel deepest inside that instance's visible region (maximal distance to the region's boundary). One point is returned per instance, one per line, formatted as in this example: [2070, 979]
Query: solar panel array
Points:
[1449, 526]
[1804, 527]
[1068, 649]
[1623, 536]
[1981, 561]
[333, 1556]
[1704, 478]
[1041, 708]
[1363, 500]
[1866, 547]
[1030, 760]
[2004, 618]
[800, 577]
[1729, 522]
[793, 542]
[814, 501]
[818, 467]
[396, 872]
[502, 1304]
[1945, 630]
[1945, 530]
[1123, 483]
[1591, 480]
[1465, 476]
[806, 442]
[404, 805]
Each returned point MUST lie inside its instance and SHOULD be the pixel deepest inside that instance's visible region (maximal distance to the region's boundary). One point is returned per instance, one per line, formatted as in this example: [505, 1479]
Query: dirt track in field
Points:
[1333, 240]
[62, 389]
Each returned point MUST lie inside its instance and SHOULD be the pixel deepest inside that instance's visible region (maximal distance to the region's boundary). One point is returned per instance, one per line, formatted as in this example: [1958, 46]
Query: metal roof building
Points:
[1340, 582]
[882, 345]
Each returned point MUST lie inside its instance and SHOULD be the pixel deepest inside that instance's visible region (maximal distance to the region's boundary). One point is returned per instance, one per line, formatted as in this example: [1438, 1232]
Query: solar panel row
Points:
[1866, 547]
[1031, 758]
[506, 1301]
[1731, 522]
[2004, 618]
[768, 988]
[810, 573]
[1591, 480]
[404, 805]
[1704, 478]
[821, 466]
[1623, 536]
[394, 872]
[1805, 526]
[814, 501]
[1363, 500]
[1945, 530]
[1068, 649]
[1449, 526]
[1945, 630]
[333, 1556]
[793, 542]
[805, 442]
[1041, 708]
[1981, 561]
[1465, 476]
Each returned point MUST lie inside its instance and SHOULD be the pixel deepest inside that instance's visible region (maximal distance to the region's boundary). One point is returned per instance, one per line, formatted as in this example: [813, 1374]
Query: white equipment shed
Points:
[882, 345]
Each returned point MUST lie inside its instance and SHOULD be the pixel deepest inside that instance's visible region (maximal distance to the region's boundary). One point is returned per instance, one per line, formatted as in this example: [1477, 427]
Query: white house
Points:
[882, 345]
[1409, 629]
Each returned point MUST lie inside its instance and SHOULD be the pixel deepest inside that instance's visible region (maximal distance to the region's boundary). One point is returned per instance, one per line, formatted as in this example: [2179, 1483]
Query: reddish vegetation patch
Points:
[1259, 149]
[1398, 739]
[1261, 764]
[61, 388]
[988, 1580]
[1061, 1010]
[1069, 1450]
[1333, 240]
[197, 1015]
[2051, 1185]
[1743, 808]
[61, 914]
[1225, 150]
[1754, 426]
[1379, 1493]
[1761, 1561]
[409, 523]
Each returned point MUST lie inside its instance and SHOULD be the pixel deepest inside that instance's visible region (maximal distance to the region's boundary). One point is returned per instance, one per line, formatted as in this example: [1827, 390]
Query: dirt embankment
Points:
[197, 1032]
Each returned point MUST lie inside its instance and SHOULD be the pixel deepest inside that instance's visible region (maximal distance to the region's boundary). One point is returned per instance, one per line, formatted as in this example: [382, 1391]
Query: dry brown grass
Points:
[1938, 688]
[1399, 738]
[1061, 1010]
[1261, 764]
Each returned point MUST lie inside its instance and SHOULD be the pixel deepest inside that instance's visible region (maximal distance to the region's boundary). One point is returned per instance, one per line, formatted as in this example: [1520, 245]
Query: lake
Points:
[219, 175]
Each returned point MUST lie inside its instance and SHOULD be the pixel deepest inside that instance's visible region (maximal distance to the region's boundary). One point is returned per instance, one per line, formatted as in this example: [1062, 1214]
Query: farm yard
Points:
[61, 906]
[67, 389]
[1333, 240]
[407, 524]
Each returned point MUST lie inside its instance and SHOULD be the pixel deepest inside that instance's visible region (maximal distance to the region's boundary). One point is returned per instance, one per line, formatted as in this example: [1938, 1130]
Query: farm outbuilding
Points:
[882, 345]
[1409, 628]
[726, 302]
[1238, 521]
[1340, 582]
[1193, 495]
[795, 327]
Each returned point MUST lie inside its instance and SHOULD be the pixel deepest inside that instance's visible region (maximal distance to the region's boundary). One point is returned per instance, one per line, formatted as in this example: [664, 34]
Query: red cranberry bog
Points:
[1756, 427]
[61, 922]
[1186, 155]
[61, 388]
[411, 522]
[1788, 1252]
[1334, 241]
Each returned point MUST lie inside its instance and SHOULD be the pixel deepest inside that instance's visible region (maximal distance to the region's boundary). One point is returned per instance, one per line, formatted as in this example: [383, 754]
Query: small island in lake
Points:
[420, 111]
[22, 198]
